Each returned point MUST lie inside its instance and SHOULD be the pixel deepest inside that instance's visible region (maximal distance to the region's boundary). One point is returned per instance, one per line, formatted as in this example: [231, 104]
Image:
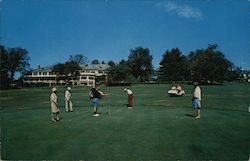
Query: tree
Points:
[140, 62]
[18, 61]
[119, 72]
[173, 66]
[233, 73]
[111, 63]
[95, 61]
[208, 65]
[4, 78]
[13, 60]
[78, 58]
[67, 70]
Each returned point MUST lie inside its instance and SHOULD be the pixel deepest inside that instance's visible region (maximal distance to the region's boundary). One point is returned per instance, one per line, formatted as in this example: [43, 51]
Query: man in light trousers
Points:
[68, 100]
[54, 106]
[196, 100]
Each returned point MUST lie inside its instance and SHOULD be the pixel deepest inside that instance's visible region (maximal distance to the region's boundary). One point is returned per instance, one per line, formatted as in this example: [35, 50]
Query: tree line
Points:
[207, 65]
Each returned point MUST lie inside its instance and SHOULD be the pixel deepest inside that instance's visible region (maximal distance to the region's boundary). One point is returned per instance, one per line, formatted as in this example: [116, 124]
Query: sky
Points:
[52, 30]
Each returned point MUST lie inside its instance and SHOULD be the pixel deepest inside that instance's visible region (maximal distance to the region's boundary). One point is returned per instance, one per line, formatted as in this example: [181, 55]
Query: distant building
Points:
[40, 76]
[90, 72]
[87, 76]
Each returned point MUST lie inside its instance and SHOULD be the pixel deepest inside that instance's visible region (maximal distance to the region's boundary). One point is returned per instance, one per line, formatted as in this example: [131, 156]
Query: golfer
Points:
[130, 97]
[96, 94]
[196, 100]
[54, 106]
[68, 100]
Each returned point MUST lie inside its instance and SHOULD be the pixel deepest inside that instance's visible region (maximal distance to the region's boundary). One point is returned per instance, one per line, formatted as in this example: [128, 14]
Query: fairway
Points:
[158, 128]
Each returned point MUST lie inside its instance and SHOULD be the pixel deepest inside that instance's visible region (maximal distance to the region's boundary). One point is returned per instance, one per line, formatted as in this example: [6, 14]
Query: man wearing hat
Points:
[130, 97]
[54, 106]
[68, 100]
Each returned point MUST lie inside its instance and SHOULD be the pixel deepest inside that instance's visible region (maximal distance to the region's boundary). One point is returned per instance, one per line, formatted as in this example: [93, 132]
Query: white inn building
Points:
[89, 73]
[87, 76]
[40, 76]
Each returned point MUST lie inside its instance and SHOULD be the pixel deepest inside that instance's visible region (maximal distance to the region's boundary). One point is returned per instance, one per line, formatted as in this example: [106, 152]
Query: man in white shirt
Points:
[130, 97]
[196, 101]
[68, 100]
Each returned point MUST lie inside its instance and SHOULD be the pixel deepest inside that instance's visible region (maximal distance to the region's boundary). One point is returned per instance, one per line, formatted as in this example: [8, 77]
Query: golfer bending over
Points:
[130, 97]
[196, 101]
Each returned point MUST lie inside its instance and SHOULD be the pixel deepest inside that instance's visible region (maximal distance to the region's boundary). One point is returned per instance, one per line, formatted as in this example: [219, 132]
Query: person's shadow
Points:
[125, 105]
[189, 115]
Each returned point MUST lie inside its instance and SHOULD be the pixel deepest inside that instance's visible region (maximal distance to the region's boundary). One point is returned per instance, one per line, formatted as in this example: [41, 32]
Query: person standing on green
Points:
[54, 106]
[196, 100]
[130, 97]
[96, 94]
[68, 100]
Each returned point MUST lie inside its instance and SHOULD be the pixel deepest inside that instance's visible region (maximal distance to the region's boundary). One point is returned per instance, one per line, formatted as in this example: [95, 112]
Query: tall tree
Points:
[4, 78]
[119, 72]
[95, 61]
[209, 65]
[17, 61]
[173, 66]
[78, 58]
[67, 70]
[140, 61]
[71, 67]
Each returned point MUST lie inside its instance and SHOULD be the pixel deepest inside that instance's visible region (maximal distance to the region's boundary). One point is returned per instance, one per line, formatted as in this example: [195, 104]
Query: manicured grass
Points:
[158, 128]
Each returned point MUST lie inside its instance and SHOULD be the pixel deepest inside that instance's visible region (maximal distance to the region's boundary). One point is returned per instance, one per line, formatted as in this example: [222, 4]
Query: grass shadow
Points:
[188, 115]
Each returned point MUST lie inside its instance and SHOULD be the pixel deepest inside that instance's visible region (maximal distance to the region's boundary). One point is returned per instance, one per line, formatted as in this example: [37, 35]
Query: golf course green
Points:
[158, 128]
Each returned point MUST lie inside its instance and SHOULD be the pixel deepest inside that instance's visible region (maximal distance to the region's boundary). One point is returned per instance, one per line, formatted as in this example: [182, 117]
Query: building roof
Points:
[95, 66]
[43, 69]
[83, 66]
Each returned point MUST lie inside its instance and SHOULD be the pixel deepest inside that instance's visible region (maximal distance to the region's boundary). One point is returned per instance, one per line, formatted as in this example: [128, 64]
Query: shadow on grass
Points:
[125, 105]
[188, 115]
[227, 109]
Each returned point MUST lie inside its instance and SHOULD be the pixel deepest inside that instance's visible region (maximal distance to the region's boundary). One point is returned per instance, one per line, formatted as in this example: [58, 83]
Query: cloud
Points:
[184, 11]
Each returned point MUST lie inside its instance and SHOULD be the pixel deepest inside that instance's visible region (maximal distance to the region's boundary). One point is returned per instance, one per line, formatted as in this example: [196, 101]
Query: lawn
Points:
[158, 128]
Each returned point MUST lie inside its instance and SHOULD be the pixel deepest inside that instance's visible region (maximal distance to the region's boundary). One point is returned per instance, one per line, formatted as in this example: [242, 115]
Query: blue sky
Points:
[51, 30]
